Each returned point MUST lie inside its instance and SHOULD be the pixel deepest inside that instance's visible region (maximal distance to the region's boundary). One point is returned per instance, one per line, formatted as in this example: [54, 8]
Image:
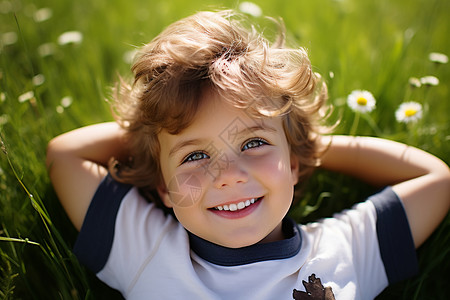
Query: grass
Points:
[376, 45]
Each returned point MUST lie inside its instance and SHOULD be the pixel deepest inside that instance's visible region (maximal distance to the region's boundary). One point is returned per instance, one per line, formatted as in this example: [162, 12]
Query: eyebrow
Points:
[248, 130]
[180, 145]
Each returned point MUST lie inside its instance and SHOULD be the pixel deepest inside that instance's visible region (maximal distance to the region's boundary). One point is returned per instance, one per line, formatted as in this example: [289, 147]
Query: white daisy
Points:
[414, 82]
[439, 58]
[8, 38]
[46, 49]
[128, 57]
[26, 96]
[43, 14]
[429, 80]
[6, 7]
[3, 120]
[409, 112]
[70, 37]
[66, 101]
[250, 8]
[361, 101]
[37, 80]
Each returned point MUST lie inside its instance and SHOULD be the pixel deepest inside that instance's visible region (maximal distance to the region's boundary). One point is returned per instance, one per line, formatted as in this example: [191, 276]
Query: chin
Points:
[239, 243]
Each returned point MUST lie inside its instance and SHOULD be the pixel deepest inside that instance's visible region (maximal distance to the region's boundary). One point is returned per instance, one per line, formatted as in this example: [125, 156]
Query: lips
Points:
[236, 206]
[237, 210]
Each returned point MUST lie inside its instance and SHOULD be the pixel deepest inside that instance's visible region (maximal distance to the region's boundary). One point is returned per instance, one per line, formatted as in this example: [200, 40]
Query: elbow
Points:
[446, 183]
[52, 153]
[443, 173]
[442, 178]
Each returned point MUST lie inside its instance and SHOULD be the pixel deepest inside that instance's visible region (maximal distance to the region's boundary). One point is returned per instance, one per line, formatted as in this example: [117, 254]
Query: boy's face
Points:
[229, 177]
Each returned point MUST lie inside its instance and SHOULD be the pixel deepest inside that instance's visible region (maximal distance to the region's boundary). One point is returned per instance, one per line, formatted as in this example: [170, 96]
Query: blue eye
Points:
[254, 143]
[195, 156]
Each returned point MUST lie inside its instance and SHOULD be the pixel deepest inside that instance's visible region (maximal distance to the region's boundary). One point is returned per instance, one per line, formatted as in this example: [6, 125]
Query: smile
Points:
[237, 206]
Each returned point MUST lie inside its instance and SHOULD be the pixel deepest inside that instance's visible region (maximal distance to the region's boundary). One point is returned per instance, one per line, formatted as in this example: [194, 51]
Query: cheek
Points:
[275, 167]
[186, 188]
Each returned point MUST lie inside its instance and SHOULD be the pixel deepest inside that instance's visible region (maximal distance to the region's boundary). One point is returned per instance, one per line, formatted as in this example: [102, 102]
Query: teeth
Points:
[238, 206]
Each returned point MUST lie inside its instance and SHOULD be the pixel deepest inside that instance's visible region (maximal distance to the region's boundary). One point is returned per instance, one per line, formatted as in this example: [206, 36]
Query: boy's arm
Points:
[421, 180]
[77, 162]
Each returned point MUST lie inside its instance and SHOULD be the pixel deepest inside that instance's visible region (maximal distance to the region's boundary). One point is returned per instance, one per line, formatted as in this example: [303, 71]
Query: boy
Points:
[220, 126]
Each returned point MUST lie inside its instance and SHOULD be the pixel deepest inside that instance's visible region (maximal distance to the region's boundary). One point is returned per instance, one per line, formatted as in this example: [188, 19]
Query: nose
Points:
[227, 173]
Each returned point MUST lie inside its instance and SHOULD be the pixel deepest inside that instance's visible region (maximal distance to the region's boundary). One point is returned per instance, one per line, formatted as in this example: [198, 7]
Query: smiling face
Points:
[229, 177]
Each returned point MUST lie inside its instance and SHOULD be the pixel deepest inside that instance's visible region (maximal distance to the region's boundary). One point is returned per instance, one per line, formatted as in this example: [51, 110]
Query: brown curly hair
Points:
[215, 50]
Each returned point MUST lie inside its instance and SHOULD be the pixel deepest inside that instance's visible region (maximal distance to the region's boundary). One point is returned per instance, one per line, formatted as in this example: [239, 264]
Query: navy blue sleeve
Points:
[95, 239]
[394, 236]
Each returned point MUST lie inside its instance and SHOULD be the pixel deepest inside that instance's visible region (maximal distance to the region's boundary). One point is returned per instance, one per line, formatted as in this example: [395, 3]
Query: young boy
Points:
[216, 130]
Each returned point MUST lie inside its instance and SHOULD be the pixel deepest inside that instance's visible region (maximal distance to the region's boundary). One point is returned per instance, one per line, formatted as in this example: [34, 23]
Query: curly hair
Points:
[216, 50]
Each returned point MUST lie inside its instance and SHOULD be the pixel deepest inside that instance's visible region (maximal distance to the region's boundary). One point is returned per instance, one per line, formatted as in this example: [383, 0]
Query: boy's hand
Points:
[77, 162]
[421, 180]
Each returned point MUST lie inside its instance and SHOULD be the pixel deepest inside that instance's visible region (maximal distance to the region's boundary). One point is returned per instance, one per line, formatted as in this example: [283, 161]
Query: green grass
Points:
[376, 45]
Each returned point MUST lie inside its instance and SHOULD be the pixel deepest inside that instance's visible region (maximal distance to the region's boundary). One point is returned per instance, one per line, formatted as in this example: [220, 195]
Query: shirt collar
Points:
[224, 256]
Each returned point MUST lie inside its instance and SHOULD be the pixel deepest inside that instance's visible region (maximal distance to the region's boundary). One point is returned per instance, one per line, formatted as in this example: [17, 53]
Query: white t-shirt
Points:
[135, 248]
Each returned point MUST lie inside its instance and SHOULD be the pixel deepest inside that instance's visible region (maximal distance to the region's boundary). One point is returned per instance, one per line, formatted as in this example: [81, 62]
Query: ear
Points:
[163, 193]
[295, 168]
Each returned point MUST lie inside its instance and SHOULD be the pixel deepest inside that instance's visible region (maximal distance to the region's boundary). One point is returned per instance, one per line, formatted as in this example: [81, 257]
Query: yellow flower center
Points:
[410, 112]
[361, 101]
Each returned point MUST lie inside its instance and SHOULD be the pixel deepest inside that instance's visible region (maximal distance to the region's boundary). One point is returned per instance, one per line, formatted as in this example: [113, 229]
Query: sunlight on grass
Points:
[59, 60]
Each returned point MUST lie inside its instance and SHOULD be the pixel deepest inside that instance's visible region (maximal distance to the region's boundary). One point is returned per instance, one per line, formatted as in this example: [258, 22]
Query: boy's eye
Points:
[254, 143]
[195, 156]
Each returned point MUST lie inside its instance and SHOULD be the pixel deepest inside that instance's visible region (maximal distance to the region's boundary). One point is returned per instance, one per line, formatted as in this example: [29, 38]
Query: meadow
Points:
[60, 58]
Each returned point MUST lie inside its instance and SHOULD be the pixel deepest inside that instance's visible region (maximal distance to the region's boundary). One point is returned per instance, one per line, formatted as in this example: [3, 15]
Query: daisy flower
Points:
[26, 96]
[70, 37]
[429, 80]
[43, 14]
[46, 49]
[439, 58]
[66, 101]
[38, 80]
[3, 120]
[8, 38]
[250, 8]
[409, 112]
[128, 57]
[361, 101]
[414, 82]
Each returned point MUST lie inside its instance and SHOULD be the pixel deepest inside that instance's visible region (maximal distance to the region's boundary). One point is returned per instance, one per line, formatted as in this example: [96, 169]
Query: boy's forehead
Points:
[219, 115]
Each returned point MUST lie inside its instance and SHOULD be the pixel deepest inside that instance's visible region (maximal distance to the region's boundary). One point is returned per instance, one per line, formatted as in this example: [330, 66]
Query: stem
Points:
[373, 125]
[17, 240]
[355, 124]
